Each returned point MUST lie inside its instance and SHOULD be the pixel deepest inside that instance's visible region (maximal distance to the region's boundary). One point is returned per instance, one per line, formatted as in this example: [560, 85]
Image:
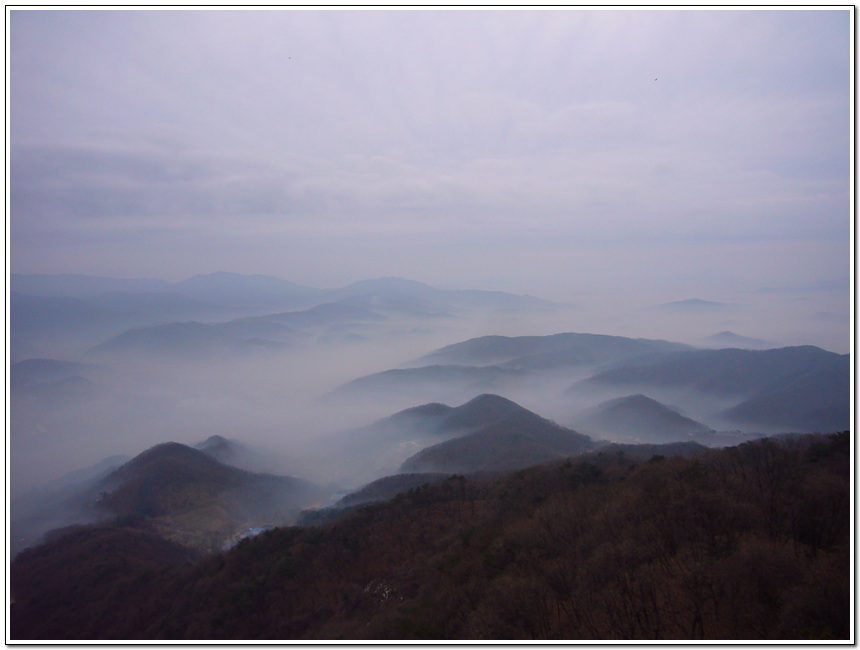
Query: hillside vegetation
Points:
[749, 542]
[192, 499]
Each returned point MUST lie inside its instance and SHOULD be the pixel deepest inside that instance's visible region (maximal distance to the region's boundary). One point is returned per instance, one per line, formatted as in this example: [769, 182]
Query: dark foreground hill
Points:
[750, 542]
[189, 497]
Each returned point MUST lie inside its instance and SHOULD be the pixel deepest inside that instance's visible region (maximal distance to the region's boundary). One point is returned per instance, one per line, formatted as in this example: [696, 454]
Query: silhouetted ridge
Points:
[168, 453]
[639, 418]
[484, 410]
[432, 410]
[480, 411]
[167, 477]
[176, 339]
[30, 372]
[388, 487]
[638, 403]
[555, 350]
[195, 500]
[215, 444]
[503, 435]
[727, 371]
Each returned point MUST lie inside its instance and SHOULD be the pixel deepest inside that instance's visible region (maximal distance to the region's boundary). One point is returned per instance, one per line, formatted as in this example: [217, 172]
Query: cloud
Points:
[382, 128]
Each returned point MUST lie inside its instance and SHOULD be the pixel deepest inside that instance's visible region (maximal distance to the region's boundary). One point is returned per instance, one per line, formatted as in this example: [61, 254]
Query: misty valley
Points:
[242, 457]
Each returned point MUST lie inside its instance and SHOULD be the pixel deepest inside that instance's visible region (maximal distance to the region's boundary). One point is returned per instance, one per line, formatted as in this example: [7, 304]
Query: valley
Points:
[286, 408]
[448, 325]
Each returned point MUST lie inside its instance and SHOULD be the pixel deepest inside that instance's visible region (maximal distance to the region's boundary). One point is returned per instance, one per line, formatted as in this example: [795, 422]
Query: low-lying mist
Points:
[286, 400]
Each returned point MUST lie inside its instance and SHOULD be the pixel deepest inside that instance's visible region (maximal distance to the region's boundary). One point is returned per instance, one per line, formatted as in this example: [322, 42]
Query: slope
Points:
[505, 436]
[191, 498]
[556, 350]
[804, 388]
[638, 418]
[609, 549]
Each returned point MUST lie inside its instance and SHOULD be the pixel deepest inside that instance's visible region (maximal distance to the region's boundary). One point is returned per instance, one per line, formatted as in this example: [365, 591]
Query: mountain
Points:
[795, 388]
[428, 382]
[419, 299]
[326, 314]
[380, 448]
[541, 352]
[60, 503]
[244, 335]
[478, 412]
[258, 329]
[728, 371]
[728, 339]
[751, 542]
[257, 291]
[30, 373]
[59, 382]
[220, 448]
[330, 322]
[815, 401]
[239, 454]
[37, 316]
[88, 555]
[80, 286]
[387, 488]
[52, 324]
[645, 452]
[183, 340]
[191, 498]
[640, 419]
[141, 307]
[513, 437]
[238, 290]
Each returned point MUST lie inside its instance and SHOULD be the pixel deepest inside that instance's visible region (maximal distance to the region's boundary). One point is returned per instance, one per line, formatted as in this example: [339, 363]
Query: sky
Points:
[556, 153]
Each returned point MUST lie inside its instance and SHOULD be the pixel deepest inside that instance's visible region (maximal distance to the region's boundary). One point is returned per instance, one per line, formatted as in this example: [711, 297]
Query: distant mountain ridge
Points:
[182, 340]
[728, 339]
[428, 381]
[248, 290]
[242, 335]
[480, 411]
[409, 295]
[80, 285]
[37, 372]
[802, 387]
[86, 311]
[492, 363]
[565, 349]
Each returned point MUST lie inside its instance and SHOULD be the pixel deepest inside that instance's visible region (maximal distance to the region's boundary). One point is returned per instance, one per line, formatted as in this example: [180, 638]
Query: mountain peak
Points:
[214, 445]
[491, 401]
[165, 451]
[641, 418]
[487, 409]
[638, 403]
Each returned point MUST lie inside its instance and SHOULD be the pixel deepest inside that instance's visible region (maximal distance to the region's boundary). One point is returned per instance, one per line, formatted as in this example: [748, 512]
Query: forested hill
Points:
[748, 542]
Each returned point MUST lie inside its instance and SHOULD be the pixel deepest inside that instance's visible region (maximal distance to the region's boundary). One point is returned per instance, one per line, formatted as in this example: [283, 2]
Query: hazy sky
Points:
[539, 151]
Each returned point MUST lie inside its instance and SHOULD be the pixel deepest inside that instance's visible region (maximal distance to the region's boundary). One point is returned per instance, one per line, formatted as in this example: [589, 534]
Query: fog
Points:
[185, 187]
[286, 401]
